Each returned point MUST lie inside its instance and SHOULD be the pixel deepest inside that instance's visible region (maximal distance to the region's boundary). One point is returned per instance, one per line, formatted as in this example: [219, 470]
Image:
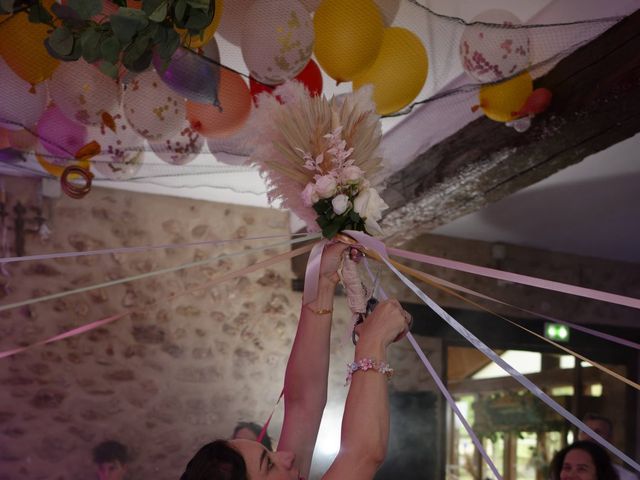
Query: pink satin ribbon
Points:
[518, 278]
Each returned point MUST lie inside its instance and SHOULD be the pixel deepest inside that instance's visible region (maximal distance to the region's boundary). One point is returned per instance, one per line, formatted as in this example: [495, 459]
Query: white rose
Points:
[340, 204]
[326, 186]
[369, 206]
[309, 195]
[351, 175]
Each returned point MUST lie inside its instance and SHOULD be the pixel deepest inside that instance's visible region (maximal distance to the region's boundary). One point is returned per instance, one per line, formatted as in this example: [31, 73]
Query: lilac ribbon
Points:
[379, 247]
[518, 278]
[312, 274]
[480, 345]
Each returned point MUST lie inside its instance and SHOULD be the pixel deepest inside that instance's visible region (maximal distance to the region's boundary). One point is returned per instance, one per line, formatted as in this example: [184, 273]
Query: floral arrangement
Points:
[320, 157]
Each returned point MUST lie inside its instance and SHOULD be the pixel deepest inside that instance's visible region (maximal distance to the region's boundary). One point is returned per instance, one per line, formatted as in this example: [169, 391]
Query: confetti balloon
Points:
[121, 150]
[153, 110]
[83, 93]
[181, 149]
[230, 27]
[277, 40]
[494, 50]
[61, 137]
[21, 104]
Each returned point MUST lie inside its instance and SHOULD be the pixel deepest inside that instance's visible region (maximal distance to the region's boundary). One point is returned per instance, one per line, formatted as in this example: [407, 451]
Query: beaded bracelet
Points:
[365, 364]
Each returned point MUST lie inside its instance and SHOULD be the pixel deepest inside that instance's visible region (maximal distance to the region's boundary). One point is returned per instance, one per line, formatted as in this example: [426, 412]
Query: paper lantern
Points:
[83, 93]
[21, 104]
[399, 72]
[154, 110]
[348, 37]
[492, 52]
[277, 40]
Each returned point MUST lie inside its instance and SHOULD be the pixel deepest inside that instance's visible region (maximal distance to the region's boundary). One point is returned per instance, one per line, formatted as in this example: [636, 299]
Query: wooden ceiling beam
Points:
[596, 104]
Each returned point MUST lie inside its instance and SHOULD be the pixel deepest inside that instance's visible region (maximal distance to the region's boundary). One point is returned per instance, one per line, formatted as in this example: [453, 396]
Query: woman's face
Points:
[264, 464]
[578, 465]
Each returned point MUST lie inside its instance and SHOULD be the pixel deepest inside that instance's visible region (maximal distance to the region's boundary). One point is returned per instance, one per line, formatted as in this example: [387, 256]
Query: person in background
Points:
[582, 460]
[251, 431]
[604, 427]
[111, 459]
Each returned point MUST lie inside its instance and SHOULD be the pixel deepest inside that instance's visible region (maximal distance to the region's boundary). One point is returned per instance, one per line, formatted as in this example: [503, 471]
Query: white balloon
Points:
[153, 109]
[21, 104]
[490, 53]
[83, 92]
[277, 40]
[181, 149]
[230, 27]
[121, 150]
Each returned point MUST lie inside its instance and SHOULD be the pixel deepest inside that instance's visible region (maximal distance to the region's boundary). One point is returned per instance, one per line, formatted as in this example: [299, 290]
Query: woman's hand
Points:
[331, 260]
[388, 323]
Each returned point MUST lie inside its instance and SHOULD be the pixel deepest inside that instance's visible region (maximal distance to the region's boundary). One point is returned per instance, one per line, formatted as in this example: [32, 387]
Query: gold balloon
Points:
[399, 72]
[501, 101]
[348, 37]
[197, 41]
[22, 47]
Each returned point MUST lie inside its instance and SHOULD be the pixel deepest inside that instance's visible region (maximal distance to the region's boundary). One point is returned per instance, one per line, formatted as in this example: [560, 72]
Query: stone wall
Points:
[173, 374]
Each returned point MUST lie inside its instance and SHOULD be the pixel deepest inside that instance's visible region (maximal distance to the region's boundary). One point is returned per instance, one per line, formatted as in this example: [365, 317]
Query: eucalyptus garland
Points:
[128, 37]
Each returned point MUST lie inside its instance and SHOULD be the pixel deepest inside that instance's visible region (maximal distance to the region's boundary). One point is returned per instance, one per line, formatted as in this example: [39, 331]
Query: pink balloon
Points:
[60, 136]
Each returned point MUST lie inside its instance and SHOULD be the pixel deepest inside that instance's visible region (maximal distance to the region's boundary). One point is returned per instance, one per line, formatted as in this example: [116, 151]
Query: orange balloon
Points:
[137, 4]
[22, 47]
[235, 101]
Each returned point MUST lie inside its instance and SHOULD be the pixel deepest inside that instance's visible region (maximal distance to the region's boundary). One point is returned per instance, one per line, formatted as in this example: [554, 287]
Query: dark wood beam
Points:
[596, 104]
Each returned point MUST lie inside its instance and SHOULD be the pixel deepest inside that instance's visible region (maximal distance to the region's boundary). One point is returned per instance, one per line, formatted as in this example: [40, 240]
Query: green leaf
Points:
[160, 13]
[126, 22]
[91, 48]
[61, 41]
[86, 8]
[167, 48]
[179, 12]
[109, 69]
[110, 49]
[200, 4]
[137, 56]
[197, 21]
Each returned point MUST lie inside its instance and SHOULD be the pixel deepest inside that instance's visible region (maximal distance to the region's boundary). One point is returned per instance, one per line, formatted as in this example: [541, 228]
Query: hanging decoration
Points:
[399, 71]
[83, 92]
[348, 37]
[21, 104]
[310, 77]
[502, 102]
[235, 100]
[181, 149]
[320, 157]
[277, 40]
[492, 47]
[153, 110]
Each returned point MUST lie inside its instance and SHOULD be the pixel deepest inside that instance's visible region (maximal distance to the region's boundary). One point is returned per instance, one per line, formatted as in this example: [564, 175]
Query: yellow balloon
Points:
[499, 102]
[197, 41]
[399, 72]
[22, 47]
[348, 36]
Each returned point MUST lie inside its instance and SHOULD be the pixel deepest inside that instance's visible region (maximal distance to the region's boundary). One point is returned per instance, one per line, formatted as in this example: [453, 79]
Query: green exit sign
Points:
[557, 332]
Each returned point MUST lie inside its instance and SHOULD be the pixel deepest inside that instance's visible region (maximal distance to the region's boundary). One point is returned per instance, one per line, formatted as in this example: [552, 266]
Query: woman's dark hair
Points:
[110, 451]
[599, 456]
[257, 430]
[216, 461]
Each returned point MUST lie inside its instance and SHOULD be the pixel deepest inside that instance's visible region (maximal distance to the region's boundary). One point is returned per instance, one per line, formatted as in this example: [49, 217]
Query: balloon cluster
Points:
[55, 108]
[495, 49]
